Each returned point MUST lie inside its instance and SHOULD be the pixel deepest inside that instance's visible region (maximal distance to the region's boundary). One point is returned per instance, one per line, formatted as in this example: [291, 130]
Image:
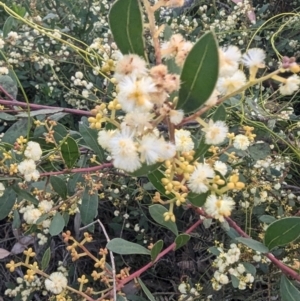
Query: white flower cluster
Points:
[56, 283]
[187, 293]
[227, 264]
[24, 288]
[139, 90]
[2, 189]
[231, 78]
[27, 168]
[128, 152]
[31, 214]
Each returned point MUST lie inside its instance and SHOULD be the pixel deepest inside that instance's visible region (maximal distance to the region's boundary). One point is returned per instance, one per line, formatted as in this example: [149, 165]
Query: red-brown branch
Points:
[77, 170]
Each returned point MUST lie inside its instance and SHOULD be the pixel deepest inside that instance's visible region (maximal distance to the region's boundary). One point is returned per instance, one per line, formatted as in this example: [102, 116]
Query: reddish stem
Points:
[285, 269]
[150, 264]
[77, 170]
[37, 107]
[6, 93]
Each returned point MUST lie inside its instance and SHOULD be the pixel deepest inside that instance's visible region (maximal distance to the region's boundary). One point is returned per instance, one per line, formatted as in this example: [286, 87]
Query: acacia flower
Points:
[124, 151]
[290, 86]
[138, 121]
[134, 94]
[33, 151]
[104, 138]
[28, 169]
[171, 47]
[183, 53]
[154, 149]
[130, 64]
[32, 215]
[229, 60]
[221, 167]
[27, 166]
[150, 148]
[45, 206]
[227, 85]
[183, 141]
[200, 178]
[215, 132]
[241, 142]
[176, 116]
[56, 283]
[254, 59]
[220, 207]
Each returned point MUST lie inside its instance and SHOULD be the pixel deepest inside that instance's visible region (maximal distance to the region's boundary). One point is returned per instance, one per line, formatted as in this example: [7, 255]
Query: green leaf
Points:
[250, 268]
[73, 181]
[7, 117]
[235, 281]
[21, 11]
[253, 244]
[42, 218]
[9, 85]
[282, 232]
[60, 133]
[199, 74]
[145, 290]
[214, 250]
[124, 247]
[126, 25]
[57, 224]
[288, 291]
[259, 151]
[181, 240]
[156, 249]
[90, 137]
[145, 170]
[25, 195]
[15, 131]
[267, 219]
[220, 113]
[155, 179]
[168, 32]
[40, 112]
[8, 25]
[59, 186]
[196, 199]
[172, 66]
[202, 148]
[46, 259]
[88, 207]
[66, 217]
[157, 213]
[70, 152]
[17, 220]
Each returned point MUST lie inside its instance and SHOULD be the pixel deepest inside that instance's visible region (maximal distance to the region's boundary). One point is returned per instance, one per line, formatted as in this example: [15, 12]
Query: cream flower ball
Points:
[33, 151]
[56, 283]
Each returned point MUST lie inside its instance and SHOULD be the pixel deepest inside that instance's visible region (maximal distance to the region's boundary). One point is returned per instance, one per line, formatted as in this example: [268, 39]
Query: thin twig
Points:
[291, 187]
[15, 102]
[77, 170]
[6, 93]
[110, 253]
[285, 269]
[153, 31]
[150, 264]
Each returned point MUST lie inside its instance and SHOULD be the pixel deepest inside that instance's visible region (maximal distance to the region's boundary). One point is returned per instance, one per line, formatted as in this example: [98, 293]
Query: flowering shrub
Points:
[153, 124]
